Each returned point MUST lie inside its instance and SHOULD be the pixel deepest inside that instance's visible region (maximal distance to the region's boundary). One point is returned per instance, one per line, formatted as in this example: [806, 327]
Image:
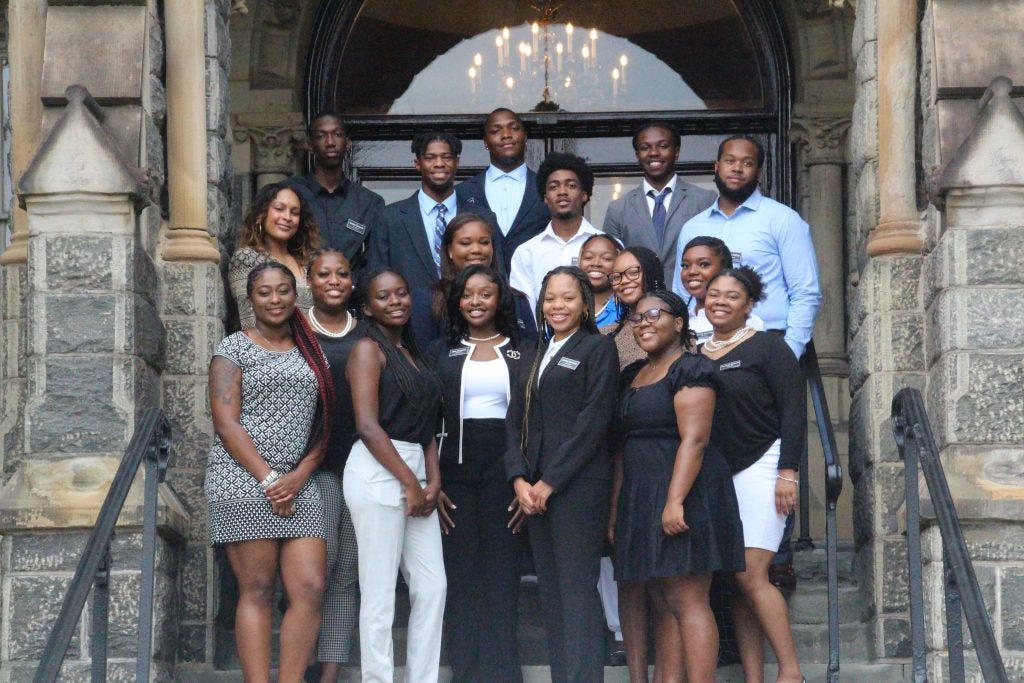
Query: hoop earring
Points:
[259, 228]
[586, 316]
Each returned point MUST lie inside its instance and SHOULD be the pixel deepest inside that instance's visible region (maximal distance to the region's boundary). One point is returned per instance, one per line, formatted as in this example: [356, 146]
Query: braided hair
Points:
[652, 277]
[405, 373]
[456, 326]
[306, 341]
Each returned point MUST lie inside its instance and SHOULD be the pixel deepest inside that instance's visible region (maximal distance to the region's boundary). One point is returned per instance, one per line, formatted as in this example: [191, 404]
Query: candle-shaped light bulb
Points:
[559, 49]
[472, 79]
[623, 61]
[568, 36]
[505, 33]
[593, 45]
[615, 82]
[478, 59]
[499, 42]
[510, 82]
[535, 30]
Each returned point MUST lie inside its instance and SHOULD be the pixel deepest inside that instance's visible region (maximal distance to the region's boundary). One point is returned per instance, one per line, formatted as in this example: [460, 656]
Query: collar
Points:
[647, 187]
[472, 345]
[317, 188]
[427, 203]
[752, 204]
[555, 346]
[518, 174]
[586, 228]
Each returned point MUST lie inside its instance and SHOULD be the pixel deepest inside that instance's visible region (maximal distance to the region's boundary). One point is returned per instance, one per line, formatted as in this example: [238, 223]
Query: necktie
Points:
[659, 214]
[439, 225]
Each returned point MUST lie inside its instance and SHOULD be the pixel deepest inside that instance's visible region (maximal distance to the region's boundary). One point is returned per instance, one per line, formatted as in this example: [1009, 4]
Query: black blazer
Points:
[399, 241]
[449, 363]
[531, 220]
[569, 423]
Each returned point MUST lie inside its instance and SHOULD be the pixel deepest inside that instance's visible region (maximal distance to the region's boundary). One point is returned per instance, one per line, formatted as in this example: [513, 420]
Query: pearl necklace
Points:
[714, 345]
[318, 326]
[484, 339]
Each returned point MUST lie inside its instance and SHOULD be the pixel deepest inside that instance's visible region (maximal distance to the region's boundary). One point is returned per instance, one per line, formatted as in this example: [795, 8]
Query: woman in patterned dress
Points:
[277, 227]
[271, 398]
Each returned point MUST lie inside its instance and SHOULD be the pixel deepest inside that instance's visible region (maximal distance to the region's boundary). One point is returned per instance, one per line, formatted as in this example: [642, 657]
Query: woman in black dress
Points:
[676, 521]
[337, 330]
[475, 365]
[558, 460]
[392, 482]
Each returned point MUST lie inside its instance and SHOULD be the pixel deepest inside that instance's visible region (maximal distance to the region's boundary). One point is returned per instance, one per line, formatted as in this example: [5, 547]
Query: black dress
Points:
[647, 421]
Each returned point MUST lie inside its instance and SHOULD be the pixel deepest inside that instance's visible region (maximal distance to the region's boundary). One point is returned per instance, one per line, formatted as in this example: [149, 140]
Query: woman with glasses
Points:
[635, 270]
[677, 520]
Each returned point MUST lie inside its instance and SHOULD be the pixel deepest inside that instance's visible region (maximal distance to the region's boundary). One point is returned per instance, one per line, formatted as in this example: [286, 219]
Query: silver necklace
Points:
[272, 347]
[714, 345]
[318, 326]
[484, 339]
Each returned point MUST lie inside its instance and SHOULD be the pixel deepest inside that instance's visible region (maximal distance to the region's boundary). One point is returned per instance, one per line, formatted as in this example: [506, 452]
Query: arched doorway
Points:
[714, 67]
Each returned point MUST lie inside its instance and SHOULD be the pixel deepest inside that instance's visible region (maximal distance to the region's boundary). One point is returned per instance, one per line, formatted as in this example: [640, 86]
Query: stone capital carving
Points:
[822, 138]
[276, 148]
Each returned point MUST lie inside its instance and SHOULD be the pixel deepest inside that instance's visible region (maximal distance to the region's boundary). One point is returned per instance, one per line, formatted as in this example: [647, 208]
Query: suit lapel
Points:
[674, 221]
[573, 342]
[413, 223]
[473, 192]
[642, 216]
[530, 199]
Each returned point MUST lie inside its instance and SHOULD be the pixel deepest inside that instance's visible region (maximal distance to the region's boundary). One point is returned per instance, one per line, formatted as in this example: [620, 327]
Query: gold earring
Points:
[259, 228]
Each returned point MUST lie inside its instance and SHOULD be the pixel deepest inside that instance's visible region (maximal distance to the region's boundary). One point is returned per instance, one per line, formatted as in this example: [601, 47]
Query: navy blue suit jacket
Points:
[531, 220]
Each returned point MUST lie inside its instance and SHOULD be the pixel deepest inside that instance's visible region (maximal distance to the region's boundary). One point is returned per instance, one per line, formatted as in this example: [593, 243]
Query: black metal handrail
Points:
[916, 445]
[833, 489]
[151, 441]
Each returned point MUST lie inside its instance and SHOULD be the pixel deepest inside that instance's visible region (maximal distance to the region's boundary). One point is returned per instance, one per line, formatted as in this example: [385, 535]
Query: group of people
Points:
[416, 384]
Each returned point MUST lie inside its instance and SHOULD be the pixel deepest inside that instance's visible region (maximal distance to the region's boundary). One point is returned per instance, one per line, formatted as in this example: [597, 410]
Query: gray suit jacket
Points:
[629, 219]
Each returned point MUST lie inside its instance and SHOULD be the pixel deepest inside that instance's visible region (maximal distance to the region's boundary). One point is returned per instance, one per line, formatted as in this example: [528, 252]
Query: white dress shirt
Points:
[540, 254]
[505, 192]
[647, 187]
[553, 348]
[428, 212]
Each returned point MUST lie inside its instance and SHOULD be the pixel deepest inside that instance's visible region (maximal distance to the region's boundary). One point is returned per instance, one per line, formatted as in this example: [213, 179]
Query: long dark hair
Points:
[405, 373]
[306, 341]
[456, 326]
[303, 243]
[652, 277]
[439, 300]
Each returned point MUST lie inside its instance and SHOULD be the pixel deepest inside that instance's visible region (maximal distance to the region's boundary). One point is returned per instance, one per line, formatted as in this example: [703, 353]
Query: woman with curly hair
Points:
[277, 227]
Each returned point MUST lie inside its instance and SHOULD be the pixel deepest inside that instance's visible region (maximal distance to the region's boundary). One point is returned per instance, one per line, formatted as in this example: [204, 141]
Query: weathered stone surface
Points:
[871, 437]
[80, 323]
[188, 484]
[182, 341]
[141, 275]
[78, 412]
[217, 97]
[1012, 598]
[79, 262]
[894, 592]
[193, 582]
[864, 506]
[191, 644]
[179, 289]
[33, 611]
[157, 101]
[218, 157]
[895, 638]
[219, 211]
[965, 317]
[976, 397]
[146, 337]
[154, 164]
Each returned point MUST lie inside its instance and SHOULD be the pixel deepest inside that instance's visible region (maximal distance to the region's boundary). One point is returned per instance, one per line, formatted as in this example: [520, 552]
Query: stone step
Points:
[808, 604]
[849, 673]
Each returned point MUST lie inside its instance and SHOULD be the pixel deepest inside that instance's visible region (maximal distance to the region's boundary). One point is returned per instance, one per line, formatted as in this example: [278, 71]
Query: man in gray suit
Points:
[652, 214]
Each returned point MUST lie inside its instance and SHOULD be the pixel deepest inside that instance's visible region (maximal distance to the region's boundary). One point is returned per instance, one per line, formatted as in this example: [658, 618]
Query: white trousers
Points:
[609, 591]
[755, 493]
[389, 541]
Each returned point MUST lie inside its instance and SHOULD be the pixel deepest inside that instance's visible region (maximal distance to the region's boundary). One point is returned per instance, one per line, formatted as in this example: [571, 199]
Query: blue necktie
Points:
[439, 226]
[659, 215]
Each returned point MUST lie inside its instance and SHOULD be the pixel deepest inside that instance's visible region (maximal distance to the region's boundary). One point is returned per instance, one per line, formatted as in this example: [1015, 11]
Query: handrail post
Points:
[910, 450]
[804, 542]
[954, 625]
[100, 618]
[157, 457]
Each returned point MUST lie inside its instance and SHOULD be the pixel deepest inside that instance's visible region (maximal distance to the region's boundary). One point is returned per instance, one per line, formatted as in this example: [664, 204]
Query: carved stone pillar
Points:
[26, 21]
[822, 141]
[275, 151]
[188, 238]
[899, 225]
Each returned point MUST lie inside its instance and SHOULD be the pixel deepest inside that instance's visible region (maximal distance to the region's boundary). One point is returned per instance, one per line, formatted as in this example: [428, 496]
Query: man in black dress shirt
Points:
[507, 187]
[345, 212]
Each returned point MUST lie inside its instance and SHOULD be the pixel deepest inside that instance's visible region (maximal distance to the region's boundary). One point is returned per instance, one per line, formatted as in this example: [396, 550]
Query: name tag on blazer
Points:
[458, 352]
[730, 366]
[355, 227]
[568, 363]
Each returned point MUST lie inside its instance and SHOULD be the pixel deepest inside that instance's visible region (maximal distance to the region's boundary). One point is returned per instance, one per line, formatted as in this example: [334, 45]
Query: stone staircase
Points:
[808, 610]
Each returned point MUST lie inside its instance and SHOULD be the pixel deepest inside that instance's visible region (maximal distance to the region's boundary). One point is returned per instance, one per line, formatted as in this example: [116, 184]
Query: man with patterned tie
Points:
[408, 236]
[652, 214]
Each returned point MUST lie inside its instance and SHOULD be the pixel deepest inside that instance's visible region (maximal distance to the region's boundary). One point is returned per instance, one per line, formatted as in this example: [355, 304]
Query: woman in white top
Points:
[475, 364]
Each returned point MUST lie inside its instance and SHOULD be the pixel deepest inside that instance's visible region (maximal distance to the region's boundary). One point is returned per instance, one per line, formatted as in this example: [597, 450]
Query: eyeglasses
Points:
[628, 274]
[652, 316]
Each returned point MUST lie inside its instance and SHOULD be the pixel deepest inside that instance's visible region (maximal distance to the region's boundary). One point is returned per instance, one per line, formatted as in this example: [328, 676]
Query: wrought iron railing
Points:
[150, 442]
[833, 488]
[917, 448]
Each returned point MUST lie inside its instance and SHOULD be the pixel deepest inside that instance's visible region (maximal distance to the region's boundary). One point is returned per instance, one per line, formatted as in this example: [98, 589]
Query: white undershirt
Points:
[485, 389]
[553, 348]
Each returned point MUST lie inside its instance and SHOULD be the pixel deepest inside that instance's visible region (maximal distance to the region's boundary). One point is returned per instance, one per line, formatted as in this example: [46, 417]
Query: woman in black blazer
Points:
[559, 463]
[475, 363]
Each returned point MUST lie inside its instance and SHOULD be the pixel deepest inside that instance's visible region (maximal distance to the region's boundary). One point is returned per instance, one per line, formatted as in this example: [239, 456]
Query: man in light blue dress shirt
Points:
[761, 233]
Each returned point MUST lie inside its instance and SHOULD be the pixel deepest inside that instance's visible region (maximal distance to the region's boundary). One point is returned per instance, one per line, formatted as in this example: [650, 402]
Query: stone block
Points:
[179, 289]
[157, 101]
[194, 575]
[973, 42]
[976, 398]
[218, 156]
[78, 412]
[866, 199]
[152, 162]
[192, 644]
[866, 69]
[894, 638]
[890, 491]
[145, 335]
[33, 609]
[994, 542]
[863, 141]
[141, 276]
[1012, 598]
[155, 43]
[79, 262]
[183, 336]
[894, 595]
[80, 323]
[150, 222]
[965, 318]
[38, 553]
[864, 496]
[218, 211]
[217, 97]
[866, 19]
[188, 484]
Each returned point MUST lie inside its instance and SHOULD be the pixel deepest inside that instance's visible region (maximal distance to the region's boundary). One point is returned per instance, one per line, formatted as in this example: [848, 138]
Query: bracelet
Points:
[271, 478]
[792, 481]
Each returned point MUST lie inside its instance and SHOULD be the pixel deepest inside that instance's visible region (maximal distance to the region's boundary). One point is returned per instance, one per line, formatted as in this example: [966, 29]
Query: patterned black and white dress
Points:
[279, 397]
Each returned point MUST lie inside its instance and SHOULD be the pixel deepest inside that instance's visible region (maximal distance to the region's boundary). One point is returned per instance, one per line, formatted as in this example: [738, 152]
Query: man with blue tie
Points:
[507, 186]
[409, 232]
[652, 214]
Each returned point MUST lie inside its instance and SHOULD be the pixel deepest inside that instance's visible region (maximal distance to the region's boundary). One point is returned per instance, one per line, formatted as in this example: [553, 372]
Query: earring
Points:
[586, 316]
[259, 228]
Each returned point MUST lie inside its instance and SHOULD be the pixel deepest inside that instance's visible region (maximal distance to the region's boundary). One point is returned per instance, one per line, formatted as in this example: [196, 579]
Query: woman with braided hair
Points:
[557, 458]
[271, 397]
[392, 482]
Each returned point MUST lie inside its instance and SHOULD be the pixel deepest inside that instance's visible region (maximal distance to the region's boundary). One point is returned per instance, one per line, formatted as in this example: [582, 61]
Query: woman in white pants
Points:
[392, 482]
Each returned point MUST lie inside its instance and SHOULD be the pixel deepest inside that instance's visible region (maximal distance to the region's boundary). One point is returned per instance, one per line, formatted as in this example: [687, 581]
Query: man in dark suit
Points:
[409, 232]
[652, 214]
[345, 212]
[507, 187]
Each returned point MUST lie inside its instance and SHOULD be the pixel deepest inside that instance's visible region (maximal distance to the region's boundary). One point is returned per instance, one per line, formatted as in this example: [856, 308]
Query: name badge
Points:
[355, 227]
[730, 366]
[575, 261]
[568, 363]
[458, 352]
